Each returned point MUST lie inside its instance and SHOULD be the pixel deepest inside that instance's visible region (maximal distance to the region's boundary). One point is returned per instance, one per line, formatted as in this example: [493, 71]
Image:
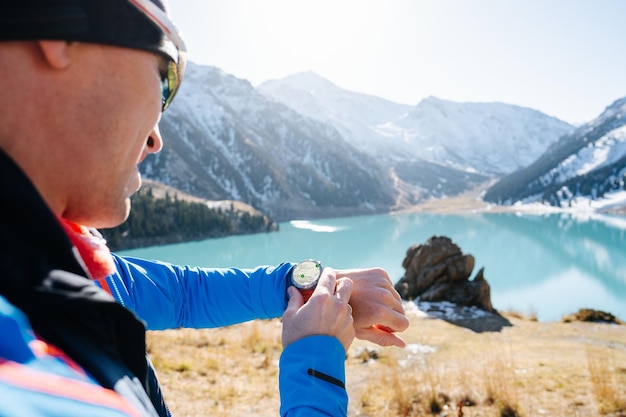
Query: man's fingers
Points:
[326, 283]
[380, 337]
[296, 300]
[383, 328]
[390, 298]
[375, 277]
[344, 290]
[396, 321]
[327, 312]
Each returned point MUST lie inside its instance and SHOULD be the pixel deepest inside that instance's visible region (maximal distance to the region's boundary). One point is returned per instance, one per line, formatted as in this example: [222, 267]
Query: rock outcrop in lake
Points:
[439, 271]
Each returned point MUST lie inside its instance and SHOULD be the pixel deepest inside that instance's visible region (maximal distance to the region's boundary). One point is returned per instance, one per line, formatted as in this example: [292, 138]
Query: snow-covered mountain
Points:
[495, 138]
[224, 140]
[492, 138]
[303, 147]
[589, 164]
[358, 117]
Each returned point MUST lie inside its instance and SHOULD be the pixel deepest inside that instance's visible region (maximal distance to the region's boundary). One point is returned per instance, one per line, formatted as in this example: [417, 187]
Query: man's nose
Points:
[155, 141]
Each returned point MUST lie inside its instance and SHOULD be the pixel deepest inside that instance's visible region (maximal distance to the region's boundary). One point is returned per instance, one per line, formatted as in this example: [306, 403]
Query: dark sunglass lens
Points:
[165, 92]
[169, 84]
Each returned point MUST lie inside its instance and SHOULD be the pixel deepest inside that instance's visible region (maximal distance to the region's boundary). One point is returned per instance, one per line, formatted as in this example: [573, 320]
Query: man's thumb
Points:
[295, 299]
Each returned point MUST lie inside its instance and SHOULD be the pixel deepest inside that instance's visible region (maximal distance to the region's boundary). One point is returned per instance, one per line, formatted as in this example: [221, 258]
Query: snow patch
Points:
[442, 310]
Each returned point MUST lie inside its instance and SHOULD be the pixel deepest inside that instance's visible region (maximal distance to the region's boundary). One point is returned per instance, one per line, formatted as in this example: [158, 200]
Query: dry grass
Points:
[532, 315]
[212, 372]
[608, 381]
[528, 369]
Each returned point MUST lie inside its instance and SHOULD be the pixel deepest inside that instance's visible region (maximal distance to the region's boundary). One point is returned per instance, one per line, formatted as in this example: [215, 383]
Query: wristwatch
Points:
[304, 277]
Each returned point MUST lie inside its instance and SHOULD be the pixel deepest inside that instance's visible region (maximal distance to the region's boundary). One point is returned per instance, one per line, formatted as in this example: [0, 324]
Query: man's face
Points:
[119, 108]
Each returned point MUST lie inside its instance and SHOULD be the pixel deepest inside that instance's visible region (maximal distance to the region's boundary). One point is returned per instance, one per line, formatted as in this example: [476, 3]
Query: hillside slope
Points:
[590, 163]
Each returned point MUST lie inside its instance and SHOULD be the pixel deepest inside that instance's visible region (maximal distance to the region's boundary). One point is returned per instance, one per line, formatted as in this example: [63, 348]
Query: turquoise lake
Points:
[548, 265]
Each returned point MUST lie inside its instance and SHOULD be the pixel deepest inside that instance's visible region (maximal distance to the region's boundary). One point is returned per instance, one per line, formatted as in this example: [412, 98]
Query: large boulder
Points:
[439, 271]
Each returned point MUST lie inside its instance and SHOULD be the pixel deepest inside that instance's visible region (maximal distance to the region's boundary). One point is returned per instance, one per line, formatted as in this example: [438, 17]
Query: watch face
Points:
[306, 274]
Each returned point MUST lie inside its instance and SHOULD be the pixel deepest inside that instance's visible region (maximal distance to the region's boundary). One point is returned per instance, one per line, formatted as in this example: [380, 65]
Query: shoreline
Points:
[471, 202]
[467, 202]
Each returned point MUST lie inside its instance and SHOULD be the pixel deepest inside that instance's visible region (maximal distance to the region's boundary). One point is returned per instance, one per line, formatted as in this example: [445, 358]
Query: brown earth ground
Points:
[159, 190]
[521, 368]
[492, 366]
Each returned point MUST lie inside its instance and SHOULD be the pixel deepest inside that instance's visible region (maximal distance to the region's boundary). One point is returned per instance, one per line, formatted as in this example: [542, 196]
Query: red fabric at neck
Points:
[93, 251]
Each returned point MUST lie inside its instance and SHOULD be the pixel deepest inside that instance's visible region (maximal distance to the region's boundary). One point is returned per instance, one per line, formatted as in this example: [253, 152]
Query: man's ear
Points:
[56, 53]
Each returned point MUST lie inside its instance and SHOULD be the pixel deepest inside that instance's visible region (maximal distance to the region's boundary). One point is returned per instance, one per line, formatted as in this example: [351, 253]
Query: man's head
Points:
[137, 24]
[88, 80]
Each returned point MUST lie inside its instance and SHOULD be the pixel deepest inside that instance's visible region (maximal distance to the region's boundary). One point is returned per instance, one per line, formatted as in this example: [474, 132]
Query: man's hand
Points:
[376, 306]
[327, 312]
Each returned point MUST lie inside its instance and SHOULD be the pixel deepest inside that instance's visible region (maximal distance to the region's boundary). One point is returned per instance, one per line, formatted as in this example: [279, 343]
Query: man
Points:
[84, 85]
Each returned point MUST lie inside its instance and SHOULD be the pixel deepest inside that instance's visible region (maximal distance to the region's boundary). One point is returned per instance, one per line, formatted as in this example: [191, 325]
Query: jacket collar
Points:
[40, 274]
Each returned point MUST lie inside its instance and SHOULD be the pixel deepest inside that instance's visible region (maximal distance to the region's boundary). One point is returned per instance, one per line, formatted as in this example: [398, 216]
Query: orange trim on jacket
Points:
[24, 377]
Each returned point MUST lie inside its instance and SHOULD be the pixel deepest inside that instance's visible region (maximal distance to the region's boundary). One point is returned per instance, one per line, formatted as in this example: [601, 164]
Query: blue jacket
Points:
[37, 380]
[167, 296]
[34, 382]
[67, 348]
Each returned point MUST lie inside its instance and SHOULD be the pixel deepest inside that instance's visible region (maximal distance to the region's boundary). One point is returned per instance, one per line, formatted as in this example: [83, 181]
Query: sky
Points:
[566, 58]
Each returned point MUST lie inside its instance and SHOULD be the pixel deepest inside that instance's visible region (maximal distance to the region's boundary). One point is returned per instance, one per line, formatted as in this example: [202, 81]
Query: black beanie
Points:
[112, 22]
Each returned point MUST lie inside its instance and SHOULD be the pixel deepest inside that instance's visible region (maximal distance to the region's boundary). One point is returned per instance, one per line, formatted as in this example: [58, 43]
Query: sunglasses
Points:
[172, 46]
[170, 82]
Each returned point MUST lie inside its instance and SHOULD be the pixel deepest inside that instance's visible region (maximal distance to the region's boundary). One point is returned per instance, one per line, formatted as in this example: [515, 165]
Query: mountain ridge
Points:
[463, 136]
[227, 141]
[335, 152]
[589, 162]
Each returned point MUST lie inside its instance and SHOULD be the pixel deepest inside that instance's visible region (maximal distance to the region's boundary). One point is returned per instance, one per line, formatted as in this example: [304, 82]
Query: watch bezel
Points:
[311, 285]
